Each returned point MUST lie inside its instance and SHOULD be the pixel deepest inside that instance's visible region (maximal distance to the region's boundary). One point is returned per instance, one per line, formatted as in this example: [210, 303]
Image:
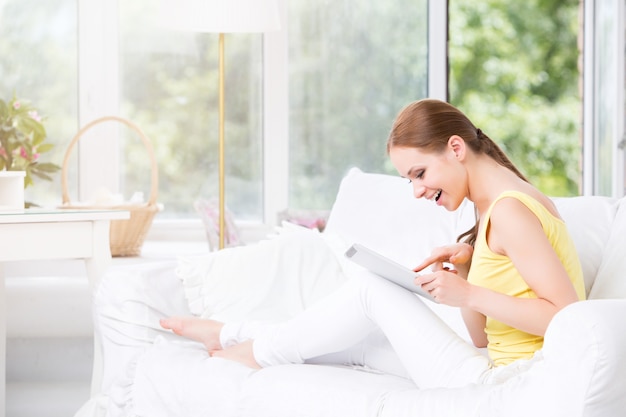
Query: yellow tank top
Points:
[497, 272]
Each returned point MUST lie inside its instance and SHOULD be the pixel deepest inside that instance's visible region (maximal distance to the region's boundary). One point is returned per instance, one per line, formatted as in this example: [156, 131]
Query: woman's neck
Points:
[488, 179]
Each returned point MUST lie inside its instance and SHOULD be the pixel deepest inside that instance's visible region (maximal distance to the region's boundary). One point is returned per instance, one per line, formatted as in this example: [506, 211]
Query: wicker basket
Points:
[126, 236]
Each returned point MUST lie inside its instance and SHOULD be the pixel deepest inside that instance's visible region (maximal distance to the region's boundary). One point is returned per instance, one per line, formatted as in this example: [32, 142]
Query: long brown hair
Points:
[428, 124]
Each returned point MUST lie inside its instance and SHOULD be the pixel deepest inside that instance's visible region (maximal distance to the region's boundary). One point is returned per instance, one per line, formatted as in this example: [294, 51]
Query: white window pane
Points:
[38, 45]
[169, 87]
[352, 66]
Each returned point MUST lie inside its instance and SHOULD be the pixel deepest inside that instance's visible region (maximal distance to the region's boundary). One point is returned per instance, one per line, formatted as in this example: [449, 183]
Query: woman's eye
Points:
[418, 176]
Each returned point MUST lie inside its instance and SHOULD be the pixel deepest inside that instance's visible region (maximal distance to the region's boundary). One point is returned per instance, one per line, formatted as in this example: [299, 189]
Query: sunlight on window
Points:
[352, 66]
[169, 87]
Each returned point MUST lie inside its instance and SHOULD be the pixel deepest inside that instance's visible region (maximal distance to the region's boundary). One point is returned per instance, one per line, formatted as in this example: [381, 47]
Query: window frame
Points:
[98, 62]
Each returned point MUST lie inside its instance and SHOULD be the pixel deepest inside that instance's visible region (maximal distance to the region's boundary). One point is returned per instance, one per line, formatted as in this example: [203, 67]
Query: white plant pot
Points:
[12, 191]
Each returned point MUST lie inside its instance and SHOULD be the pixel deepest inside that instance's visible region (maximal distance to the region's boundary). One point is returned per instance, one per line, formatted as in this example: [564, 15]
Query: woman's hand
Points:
[446, 287]
[458, 254]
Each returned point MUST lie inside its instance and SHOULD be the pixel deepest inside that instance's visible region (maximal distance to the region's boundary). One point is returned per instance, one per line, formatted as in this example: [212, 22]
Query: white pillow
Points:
[590, 222]
[380, 211]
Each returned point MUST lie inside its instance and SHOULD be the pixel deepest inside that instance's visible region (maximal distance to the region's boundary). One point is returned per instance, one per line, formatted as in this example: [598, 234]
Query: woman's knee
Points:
[371, 287]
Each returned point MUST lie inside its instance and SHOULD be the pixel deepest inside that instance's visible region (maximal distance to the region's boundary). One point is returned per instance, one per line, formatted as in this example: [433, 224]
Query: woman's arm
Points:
[475, 323]
[514, 231]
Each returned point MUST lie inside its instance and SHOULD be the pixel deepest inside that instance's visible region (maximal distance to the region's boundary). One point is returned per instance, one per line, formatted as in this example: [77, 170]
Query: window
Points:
[352, 66]
[514, 70]
[342, 55]
[322, 96]
[169, 87]
[38, 45]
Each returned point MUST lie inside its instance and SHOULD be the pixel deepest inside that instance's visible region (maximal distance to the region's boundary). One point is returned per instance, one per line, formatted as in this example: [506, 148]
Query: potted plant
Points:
[22, 137]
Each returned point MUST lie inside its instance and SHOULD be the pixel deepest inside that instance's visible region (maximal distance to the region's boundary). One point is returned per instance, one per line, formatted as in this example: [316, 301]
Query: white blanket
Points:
[151, 372]
[270, 281]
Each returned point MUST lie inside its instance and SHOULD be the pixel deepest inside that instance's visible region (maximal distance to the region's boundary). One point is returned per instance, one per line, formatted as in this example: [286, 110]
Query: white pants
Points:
[371, 322]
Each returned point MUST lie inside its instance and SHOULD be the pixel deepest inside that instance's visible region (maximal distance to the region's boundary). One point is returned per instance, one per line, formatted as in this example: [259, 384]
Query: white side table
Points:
[40, 234]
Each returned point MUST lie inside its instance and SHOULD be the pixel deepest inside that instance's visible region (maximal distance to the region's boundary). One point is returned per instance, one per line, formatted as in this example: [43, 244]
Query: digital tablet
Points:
[386, 268]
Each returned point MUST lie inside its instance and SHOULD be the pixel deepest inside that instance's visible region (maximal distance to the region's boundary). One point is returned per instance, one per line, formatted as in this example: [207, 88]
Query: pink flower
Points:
[3, 152]
[23, 153]
[34, 115]
[16, 105]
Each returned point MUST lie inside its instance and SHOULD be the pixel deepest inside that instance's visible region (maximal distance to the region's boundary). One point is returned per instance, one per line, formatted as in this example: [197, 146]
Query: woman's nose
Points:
[418, 190]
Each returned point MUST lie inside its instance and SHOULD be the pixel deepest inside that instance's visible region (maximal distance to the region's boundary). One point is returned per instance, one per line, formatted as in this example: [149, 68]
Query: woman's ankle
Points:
[241, 352]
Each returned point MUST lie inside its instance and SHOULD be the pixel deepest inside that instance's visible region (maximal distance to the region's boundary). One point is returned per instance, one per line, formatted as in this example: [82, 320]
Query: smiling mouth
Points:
[435, 197]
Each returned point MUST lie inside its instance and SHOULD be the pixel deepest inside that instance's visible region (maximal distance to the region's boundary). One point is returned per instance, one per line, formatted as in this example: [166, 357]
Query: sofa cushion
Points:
[610, 281]
[589, 221]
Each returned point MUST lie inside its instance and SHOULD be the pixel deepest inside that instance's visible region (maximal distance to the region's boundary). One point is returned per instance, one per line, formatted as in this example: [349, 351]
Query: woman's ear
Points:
[457, 145]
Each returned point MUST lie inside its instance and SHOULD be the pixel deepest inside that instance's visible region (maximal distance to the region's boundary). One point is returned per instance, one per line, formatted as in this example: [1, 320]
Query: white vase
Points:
[12, 191]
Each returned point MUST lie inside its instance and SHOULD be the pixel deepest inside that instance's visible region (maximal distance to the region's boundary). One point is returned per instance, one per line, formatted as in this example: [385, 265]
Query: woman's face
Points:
[438, 177]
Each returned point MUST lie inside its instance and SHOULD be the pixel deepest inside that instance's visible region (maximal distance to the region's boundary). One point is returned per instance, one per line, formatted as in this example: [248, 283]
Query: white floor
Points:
[62, 399]
[47, 377]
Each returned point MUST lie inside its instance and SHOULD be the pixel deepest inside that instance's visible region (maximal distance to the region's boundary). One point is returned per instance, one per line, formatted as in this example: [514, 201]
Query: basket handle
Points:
[154, 176]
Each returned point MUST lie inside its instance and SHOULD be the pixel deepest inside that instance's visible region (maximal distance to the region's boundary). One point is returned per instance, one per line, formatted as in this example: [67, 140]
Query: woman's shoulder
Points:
[531, 199]
[515, 218]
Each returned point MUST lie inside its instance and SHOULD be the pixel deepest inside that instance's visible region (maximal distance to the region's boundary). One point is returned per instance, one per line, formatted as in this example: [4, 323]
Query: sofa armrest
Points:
[579, 372]
[584, 355]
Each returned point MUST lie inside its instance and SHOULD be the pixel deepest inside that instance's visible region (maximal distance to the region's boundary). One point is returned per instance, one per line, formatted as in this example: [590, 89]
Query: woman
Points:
[510, 274]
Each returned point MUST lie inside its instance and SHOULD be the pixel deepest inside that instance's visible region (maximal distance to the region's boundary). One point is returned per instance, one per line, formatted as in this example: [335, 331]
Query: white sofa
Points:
[581, 371]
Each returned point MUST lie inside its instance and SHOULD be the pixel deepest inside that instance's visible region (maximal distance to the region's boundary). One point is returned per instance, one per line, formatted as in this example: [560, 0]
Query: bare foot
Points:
[202, 330]
[241, 353]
